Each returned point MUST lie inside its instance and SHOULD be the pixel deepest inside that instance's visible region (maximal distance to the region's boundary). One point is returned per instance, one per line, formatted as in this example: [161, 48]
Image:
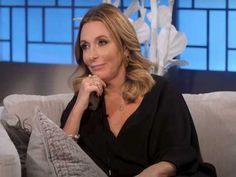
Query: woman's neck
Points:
[113, 89]
[114, 86]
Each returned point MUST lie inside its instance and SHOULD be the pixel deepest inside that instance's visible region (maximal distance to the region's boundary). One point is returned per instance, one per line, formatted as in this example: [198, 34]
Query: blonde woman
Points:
[131, 123]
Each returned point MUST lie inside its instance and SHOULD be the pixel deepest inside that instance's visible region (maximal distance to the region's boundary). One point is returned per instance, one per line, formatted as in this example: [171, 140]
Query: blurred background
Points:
[37, 44]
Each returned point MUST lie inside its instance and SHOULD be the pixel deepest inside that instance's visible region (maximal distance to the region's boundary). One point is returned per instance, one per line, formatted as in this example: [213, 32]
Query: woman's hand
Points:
[161, 169]
[89, 84]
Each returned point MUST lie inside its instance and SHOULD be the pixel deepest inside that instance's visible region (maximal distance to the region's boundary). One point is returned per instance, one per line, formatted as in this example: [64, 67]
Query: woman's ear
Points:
[126, 57]
[126, 52]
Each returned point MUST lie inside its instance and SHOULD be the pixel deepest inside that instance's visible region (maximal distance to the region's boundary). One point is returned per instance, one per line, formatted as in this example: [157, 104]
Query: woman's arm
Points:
[161, 169]
[73, 122]
[88, 85]
[173, 138]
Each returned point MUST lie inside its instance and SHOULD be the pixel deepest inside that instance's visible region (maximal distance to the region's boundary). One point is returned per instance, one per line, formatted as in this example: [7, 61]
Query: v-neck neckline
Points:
[126, 123]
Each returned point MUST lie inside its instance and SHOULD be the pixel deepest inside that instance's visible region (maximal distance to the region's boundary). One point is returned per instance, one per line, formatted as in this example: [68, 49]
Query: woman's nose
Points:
[93, 53]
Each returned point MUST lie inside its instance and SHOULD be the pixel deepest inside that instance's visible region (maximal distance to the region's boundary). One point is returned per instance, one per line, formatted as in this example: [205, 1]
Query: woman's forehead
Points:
[94, 29]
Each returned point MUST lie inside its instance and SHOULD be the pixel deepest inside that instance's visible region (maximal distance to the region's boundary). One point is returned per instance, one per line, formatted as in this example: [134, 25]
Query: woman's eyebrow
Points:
[103, 35]
[83, 41]
[98, 37]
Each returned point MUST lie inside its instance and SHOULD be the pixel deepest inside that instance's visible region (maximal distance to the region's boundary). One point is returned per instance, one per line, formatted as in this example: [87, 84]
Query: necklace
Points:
[118, 109]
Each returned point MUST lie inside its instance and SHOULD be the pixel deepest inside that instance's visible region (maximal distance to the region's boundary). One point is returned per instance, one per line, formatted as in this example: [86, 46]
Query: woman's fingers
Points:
[96, 78]
[96, 83]
[88, 85]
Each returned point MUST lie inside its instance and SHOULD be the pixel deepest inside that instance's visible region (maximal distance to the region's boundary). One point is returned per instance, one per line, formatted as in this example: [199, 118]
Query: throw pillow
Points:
[53, 153]
[19, 135]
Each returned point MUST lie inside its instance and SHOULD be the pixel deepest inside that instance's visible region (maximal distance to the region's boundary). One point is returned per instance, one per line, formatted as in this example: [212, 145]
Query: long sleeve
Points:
[161, 129]
[173, 136]
[67, 111]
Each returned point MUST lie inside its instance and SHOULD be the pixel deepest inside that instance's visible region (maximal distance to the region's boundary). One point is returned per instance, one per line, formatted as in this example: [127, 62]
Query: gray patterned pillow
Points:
[52, 153]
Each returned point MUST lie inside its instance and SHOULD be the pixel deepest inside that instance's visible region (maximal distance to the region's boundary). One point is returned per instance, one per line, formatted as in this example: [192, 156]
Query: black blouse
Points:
[161, 129]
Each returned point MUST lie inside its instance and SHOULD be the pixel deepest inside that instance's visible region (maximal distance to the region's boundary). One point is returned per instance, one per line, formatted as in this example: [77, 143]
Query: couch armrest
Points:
[9, 159]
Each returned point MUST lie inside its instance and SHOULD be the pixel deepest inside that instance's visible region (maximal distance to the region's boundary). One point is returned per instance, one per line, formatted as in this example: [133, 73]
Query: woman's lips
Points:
[97, 67]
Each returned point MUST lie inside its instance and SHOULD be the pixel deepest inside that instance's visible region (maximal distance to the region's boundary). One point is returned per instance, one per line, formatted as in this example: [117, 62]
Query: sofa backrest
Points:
[214, 116]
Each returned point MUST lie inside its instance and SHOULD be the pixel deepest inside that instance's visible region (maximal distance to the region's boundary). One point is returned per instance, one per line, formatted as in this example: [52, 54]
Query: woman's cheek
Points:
[85, 58]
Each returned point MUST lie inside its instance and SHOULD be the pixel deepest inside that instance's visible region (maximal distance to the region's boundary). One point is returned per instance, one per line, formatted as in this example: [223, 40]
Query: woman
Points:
[139, 125]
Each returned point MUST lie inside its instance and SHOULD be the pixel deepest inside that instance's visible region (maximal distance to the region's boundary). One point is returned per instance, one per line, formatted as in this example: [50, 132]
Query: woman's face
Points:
[100, 52]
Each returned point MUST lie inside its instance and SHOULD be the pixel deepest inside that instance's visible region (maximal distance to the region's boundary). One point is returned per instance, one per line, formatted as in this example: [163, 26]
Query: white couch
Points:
[214, 115]
[9, 159]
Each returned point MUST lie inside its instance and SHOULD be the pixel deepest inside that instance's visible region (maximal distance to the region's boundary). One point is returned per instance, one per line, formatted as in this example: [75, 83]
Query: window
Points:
[42, 31]
[210, 28]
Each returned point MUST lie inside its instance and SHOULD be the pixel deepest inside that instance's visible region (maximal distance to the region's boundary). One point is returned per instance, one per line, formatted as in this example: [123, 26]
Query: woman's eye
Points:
[102, 42]
[84, 46]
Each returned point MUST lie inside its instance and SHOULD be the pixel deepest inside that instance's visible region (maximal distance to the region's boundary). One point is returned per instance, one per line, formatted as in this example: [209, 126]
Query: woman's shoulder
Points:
[160, 81]
[158, 87]
[163, 86]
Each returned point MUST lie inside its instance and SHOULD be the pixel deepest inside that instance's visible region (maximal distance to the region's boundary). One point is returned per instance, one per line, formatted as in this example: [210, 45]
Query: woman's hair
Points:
[138, 79]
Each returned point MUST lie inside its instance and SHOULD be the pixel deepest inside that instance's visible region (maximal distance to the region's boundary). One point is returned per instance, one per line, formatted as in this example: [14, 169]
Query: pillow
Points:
[19, 135]
[23, 107]
[18, 112]
[214, 116]
[52, 153]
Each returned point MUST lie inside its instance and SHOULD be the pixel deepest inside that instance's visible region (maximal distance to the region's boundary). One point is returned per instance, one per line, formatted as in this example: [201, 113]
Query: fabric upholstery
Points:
[23, 106]
[214, 115]
[9, 158]
[52, 153]
[1, 109]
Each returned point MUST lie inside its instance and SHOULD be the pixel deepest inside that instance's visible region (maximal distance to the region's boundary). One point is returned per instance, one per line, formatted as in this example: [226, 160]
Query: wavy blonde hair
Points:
[138, 78]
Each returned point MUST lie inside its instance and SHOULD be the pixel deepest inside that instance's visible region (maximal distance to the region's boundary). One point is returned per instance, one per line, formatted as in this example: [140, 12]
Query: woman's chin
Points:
[100, 75]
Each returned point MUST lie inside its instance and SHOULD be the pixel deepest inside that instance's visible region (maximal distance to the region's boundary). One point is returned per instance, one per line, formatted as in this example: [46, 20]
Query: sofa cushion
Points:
[52, 153]
[9, 158]
[19, 135]
[214, 115]
[1, 109]
[23, 107]
[17, 114]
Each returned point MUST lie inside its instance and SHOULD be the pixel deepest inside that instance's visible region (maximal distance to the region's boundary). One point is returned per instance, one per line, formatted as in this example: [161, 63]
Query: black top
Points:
[161, 129]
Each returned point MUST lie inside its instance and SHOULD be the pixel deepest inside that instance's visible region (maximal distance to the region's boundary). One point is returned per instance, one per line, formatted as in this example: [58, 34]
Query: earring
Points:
[126, 61]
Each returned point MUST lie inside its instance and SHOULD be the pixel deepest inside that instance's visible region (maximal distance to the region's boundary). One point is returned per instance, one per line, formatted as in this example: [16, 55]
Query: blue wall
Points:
[210, 26]
[42, 31]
